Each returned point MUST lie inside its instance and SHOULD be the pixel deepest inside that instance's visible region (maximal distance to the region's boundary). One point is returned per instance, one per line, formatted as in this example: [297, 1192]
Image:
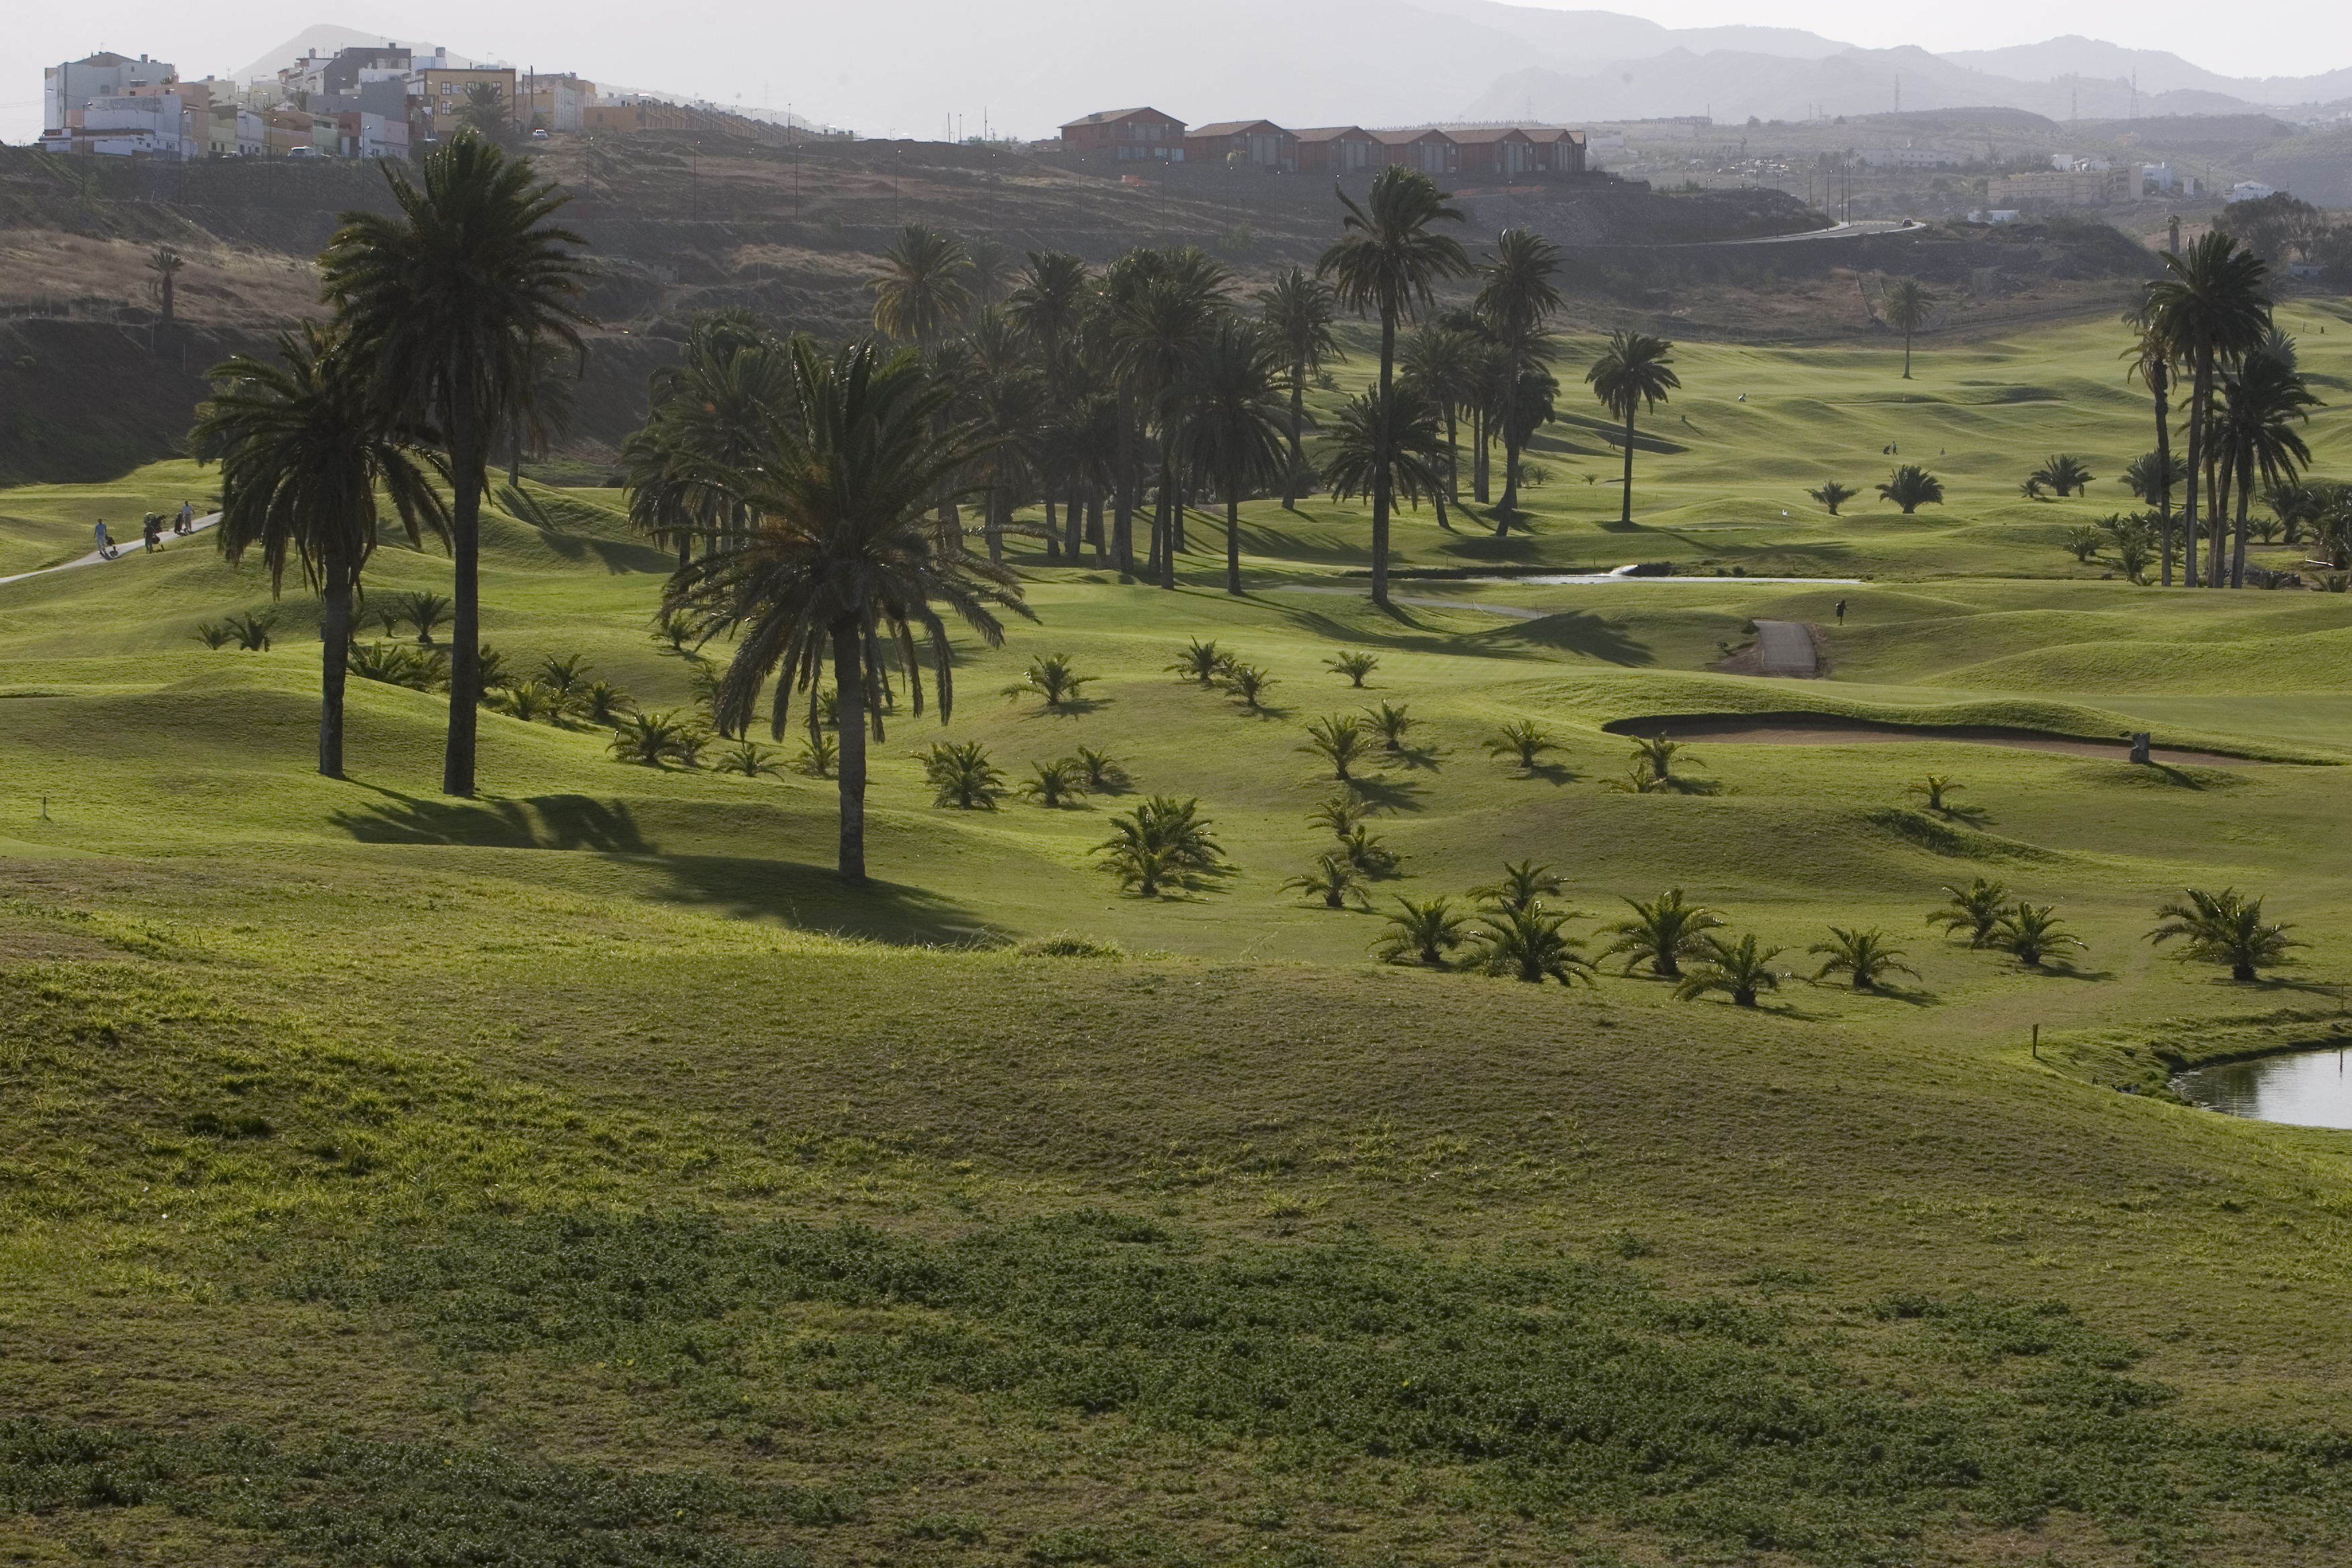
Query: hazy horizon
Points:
[1016, 70]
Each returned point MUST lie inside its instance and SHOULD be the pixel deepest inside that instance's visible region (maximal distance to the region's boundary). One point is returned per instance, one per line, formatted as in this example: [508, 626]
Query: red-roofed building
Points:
[1493, 151]
[1432, 151]
[1339, 150]
[1125, 136]
[1257, 142]
[1562, 152]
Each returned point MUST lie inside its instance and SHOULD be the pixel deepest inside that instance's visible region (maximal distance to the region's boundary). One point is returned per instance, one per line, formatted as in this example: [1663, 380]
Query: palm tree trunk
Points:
[2245, 493]
[1382, 458]
[465, 592]
[1053, 532]
[849, 694]
[1511, 448]
[1452, 454]
[2216, 481]
[1095, 530]
[334, 663]
[1478, 445]
[995, 513]
[1907, 354]
[1625, 510]
[2201, 392]
[1232, 532]
[1123, 485]
[2156, 377]
[1297, 423]
[1172, 511]
[1074, 526]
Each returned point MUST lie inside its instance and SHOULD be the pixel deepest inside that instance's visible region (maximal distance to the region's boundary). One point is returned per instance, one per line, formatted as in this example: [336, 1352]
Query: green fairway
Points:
[582, 1174]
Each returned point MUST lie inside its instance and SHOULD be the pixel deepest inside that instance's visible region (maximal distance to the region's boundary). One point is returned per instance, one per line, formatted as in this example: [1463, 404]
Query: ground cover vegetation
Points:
[1275, 1075]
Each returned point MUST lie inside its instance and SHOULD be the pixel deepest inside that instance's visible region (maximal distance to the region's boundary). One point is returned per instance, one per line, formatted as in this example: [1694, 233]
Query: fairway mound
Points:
[1836, 730]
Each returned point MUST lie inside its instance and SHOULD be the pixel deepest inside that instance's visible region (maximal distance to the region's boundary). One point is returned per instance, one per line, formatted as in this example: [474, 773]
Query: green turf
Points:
[580, 1174]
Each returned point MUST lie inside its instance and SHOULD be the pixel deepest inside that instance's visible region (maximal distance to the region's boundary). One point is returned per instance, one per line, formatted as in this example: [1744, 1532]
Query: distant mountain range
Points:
[1370, 62]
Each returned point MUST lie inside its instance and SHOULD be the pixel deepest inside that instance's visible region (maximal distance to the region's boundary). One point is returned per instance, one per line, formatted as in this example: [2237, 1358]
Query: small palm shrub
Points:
[602, 702]
[2226, 927]
[2030, 933]
[1333, 878]
[1056, 784]
[826, 706]
[655, 740]
[1340, 814]
[564, 676]
[1366, 854]
[400, 664]
[1200, 662]
[1833, 495]
[494, 671]
[2063, 474]
[1162, 843]
[820, 753]
[961, 775]
[1865, 956]
[1422, 932]
[1661, 933]
[1657, 753]
[1338, 740]
[1525, 884]
[1354, 665]
[1742, 968]
[2085, 542]
[427, 612]
[392, 614]
[1639, 780]
[1528, 944]
[1912, 487]
[1389, 721]
[214, 635]
[1524, 740]
[691, 745]
[1975, 910]
[532, 701]
[1103, 774]
[749, 758]
[674, 628]
[1933, 790]
[1052, 677]
[252, 631]
[1248, 682]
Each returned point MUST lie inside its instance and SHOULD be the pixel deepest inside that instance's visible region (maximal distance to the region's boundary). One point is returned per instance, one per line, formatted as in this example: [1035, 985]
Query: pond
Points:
[2310, 1089]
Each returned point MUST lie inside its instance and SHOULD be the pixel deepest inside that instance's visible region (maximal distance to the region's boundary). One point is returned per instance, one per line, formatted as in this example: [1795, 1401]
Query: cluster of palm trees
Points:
[446, 314]
[2209, 317]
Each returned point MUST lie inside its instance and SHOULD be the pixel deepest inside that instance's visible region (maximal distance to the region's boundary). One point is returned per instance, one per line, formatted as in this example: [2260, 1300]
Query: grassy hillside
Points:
[580, 1175]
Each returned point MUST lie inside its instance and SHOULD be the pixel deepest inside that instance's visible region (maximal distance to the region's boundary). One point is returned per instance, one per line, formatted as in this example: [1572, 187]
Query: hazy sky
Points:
[907, 65]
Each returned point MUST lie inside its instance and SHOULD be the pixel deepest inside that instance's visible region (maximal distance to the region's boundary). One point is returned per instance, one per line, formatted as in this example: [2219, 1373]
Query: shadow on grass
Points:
[616, 555]
[1579, 632]
[1386, 794]
[1430, 638]
[811, 898]
[538, 822]
[1909, 995]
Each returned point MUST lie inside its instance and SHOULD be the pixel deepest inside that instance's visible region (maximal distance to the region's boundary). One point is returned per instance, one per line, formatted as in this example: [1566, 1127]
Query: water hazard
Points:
[2310, 1089]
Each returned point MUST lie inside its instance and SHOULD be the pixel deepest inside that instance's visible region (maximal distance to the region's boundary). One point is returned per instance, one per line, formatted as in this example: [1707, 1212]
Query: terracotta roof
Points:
[1234, 128]
[1105, 116]
[1333, 133]
[1406, 138]
[1467, 135]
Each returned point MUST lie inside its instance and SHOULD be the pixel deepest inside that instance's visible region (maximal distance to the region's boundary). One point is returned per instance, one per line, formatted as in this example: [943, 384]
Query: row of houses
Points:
[1129, 136]
[367, 102]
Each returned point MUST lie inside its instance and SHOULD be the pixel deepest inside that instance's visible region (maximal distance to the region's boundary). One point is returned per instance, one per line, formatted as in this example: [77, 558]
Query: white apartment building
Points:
[72, 85]
[1908, 158]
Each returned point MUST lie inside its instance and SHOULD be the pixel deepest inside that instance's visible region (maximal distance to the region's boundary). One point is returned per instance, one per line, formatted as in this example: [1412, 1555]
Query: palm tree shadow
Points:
[1975, 817]
[2060, 970]
[1550, 772]
[1578, 632]
[1417, 758]
[538, 822]
[1073, 707]
[1385, 793]
[812, 898]
[1909, 995]
[2176, 776]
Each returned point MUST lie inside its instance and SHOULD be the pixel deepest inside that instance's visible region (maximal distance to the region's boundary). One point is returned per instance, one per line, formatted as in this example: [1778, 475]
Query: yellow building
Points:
[443, 98]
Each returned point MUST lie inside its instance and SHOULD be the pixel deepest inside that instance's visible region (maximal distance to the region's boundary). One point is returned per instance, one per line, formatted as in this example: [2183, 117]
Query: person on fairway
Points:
[187, 523]
[1841, 612]
[149, 528]
[105, 545]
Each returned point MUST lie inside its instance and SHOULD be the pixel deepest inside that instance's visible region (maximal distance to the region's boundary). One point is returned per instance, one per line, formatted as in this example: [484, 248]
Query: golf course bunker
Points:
[1835, 730]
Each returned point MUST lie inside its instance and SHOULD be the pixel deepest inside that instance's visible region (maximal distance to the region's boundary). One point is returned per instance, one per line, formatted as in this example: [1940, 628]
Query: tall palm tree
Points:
[842, 564]
[2153, 360]
[1416, 452]
[1444, 362]
[989, 268]
[1908, 306]
[1235, 429]
[304, 452]
[1516, 299]
[1045, 307]
[165, 263]
[450, 298]
[2259, 406]
[1635, 369]
[711, 415]
[1387, 262]
[919, 293]
[1298, 309]
[1012, 414]
[1159, 329]
[2211, 307]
